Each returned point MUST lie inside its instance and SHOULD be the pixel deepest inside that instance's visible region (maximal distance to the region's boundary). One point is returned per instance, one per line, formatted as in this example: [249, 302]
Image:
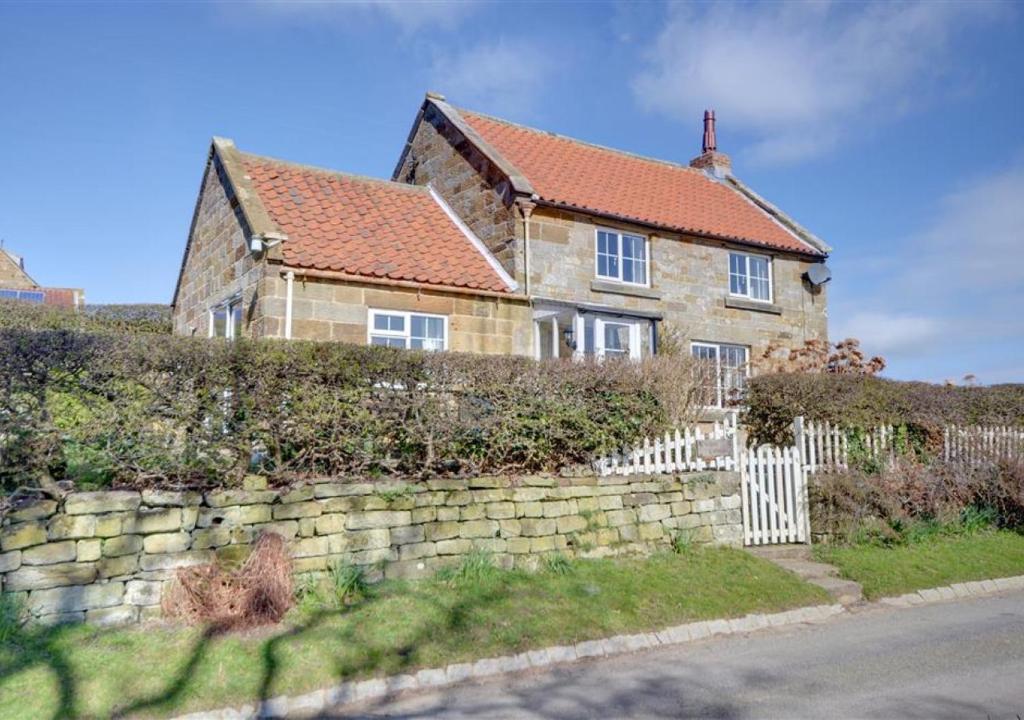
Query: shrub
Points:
[908, 500]
[105, 409]
[863, 401]
[474, 569]
[150, 319]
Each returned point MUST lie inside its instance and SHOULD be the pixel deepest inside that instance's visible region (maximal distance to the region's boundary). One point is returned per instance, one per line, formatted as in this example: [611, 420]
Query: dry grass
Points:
[258, 593]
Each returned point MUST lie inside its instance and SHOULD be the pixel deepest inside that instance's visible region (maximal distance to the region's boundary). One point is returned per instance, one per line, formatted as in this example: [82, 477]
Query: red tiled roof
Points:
[363, 226]
[608, 182]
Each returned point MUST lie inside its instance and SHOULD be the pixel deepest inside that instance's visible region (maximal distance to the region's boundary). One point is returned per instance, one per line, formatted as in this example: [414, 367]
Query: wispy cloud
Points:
[799, 76]
[951, 297]
[409, 16]
[503, 77]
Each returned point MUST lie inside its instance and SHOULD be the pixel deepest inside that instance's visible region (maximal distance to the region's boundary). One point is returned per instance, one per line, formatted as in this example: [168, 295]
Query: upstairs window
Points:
[414, 331]
[621, 257]
[226, 319]
[750, 276]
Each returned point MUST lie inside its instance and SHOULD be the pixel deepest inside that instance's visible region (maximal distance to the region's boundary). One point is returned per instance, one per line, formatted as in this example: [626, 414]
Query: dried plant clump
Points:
[260, 592]
[819, 356]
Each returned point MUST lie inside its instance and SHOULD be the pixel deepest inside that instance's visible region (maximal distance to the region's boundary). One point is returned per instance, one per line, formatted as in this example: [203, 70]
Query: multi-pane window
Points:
[727, 368]
[408, 330]
[226, 319]
[750, 276]
[32, 296]
[622, 257]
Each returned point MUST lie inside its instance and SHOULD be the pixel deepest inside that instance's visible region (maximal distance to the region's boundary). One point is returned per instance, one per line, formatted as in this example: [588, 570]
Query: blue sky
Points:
[893, 131]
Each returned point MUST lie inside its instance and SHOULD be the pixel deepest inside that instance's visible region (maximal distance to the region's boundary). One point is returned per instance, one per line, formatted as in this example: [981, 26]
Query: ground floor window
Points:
[728, 365]
[415, 331]
[226, 319]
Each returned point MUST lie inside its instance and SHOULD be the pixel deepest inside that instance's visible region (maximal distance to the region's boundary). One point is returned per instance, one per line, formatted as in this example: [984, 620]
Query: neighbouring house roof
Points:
[333, 221]
[565, 172]
[13, 271]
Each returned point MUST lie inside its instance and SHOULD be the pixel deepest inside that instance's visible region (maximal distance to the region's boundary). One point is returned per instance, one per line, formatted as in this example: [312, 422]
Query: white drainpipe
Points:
[289, 281]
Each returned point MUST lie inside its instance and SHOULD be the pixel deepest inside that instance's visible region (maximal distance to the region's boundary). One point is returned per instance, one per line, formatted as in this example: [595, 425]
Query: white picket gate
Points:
[774, 496]
[679, 450]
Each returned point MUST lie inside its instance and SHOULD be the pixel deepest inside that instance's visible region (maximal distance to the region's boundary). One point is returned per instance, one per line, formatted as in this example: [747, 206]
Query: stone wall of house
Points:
[219, 263]
[329, 310]
[12, 276]
[689, 283]
[478, 193]
[106, 557]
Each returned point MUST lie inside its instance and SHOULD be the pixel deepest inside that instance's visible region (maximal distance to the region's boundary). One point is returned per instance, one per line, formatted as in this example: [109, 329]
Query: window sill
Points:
[744, 304]
[607, 286]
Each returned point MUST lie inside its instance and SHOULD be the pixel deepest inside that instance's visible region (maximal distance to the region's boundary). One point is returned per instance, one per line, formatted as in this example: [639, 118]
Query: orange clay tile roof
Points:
[368, 227]
[569, 172]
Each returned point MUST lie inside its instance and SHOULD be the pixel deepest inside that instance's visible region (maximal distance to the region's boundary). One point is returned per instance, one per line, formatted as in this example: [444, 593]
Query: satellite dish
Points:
[818, 274]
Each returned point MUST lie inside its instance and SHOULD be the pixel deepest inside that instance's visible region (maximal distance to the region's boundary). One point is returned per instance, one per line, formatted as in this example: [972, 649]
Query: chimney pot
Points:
[710, 160]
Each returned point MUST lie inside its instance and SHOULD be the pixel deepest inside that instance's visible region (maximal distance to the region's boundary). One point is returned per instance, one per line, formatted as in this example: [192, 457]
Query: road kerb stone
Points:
[457, 672]
[589, 648]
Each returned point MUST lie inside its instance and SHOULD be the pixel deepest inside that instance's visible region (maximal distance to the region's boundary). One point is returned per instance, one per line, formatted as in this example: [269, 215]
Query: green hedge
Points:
[141, 318]
[103, 408]
[863, 401]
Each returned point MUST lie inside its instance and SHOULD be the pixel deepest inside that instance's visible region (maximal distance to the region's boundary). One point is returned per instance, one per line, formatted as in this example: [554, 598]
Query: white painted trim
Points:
[771, 275]
[647, 257]
[289, 283]
[477, 243]
[407, 334]
[228, 304]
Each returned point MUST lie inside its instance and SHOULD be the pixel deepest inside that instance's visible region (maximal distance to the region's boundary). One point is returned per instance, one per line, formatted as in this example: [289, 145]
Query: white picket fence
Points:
[827, 446]
[978, 444]
[824, 445]
[679, 450]
[774, 496]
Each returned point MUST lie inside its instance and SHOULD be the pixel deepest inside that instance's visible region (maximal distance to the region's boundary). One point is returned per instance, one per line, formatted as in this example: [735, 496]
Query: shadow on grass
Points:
[33, 646]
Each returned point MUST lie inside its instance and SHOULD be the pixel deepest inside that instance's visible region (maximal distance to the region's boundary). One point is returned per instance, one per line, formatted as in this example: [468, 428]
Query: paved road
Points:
[953, 660]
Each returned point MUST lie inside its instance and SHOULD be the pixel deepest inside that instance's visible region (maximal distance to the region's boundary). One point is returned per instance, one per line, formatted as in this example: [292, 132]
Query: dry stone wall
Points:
[105, 557]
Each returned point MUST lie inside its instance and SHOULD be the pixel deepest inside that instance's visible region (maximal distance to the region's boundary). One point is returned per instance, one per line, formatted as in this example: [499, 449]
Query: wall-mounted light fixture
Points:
[569, 335]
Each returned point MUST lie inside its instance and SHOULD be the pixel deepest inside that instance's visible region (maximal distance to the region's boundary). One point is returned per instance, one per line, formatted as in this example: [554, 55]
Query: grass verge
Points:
[936, 561]
[78, 671]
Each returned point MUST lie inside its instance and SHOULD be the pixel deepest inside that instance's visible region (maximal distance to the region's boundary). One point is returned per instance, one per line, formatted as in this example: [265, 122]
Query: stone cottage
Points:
[492, 237]
[17, 284]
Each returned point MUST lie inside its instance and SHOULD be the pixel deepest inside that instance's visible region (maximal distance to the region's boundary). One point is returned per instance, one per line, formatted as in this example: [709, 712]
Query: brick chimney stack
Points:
[710, 160]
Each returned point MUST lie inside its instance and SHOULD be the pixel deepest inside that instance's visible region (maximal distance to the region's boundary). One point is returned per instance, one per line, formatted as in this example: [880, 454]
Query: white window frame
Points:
[229, 305]
[406, 335]
[746, 273]
[635, 329]
[618, 279]
[719, 388]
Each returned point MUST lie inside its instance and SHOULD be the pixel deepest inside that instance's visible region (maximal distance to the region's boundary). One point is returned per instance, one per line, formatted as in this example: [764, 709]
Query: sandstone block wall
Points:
[469, 183]
[219, 264]
[690, 277]
[327, 310]
[105, 557]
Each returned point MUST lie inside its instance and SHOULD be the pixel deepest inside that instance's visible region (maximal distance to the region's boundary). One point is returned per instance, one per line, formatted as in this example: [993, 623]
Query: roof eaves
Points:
[802, 233]
[520, 184]
[655, 225]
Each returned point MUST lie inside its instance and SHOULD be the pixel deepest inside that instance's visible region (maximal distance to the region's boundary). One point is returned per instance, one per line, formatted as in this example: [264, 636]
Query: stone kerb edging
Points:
[956, 591]
[377, 688]
[455, 673]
